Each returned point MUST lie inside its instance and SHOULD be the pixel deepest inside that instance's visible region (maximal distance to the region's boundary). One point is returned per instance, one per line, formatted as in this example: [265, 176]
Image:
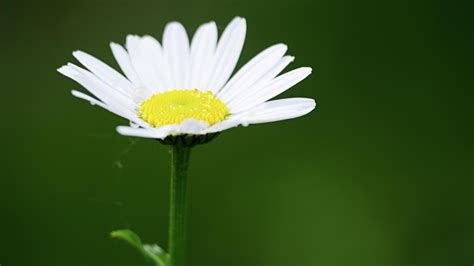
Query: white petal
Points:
[142, 55]
[153, 133]
[157, 61]
[192, 126]
[203, 47]
[123, 59]
[189, 126]
[230, 122]
[267, 112]
[227, 54]
[90, 99]
[270, 90]
[277, 110]
[104, 72]
[253, 71]
[176, 51]
[133, 119]
[118, 103]
[244, 93]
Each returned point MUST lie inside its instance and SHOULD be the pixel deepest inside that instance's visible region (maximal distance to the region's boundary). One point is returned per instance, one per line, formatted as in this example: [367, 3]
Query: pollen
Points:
[175, 106]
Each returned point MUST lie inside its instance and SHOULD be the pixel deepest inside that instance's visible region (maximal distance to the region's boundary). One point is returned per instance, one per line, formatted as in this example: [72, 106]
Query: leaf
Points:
[153, 253]
[158, 252]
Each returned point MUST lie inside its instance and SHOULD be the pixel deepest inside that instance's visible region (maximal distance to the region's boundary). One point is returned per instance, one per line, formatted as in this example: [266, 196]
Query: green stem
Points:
[177, 222]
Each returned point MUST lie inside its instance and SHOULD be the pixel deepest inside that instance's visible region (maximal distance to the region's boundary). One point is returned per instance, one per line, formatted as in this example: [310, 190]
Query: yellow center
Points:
[173, 107]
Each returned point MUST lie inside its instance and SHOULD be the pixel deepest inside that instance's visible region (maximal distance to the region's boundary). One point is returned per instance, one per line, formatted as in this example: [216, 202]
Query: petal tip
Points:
[121, 130]
[243, 21]
[173, 25]
[281, 46]
[65, 69]
[61, 68]
[239, 20]
[76, 93]
[131, 37]
[77, 53]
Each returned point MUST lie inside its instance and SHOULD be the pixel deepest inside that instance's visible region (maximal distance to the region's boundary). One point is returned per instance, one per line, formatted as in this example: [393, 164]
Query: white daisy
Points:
[179, 88]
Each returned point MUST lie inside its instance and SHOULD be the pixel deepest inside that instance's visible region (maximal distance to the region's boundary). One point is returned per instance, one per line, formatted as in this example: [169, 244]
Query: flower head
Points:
[182, 88]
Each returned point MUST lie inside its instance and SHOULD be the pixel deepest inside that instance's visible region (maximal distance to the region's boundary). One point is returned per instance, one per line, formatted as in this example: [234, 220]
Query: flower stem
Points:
[177, 222]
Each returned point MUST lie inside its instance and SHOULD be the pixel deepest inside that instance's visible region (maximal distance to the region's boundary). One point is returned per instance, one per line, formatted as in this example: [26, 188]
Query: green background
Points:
[381, 173]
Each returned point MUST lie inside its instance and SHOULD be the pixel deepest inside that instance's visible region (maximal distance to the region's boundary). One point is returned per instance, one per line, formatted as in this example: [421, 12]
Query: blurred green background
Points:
[381, 173]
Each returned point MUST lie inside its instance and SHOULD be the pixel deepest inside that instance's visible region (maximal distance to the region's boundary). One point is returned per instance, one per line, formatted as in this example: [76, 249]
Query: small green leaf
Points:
[158, 252]
[153, 253]
[129, 236]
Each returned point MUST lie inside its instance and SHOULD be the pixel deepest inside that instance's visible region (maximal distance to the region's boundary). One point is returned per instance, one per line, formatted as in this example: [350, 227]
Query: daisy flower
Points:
[184, 88]
[182, 93]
